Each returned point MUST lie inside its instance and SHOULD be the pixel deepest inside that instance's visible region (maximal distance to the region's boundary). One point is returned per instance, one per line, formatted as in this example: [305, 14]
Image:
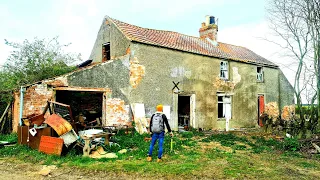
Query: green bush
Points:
[290, 144]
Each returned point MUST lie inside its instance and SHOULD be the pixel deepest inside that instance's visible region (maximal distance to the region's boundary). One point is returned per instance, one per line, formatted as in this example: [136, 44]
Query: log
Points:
[316, 146]
[5, 112]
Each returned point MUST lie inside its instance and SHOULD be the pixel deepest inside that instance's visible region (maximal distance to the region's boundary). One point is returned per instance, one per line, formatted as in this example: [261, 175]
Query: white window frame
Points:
[226, 101]
[260, 77]
[224, 70]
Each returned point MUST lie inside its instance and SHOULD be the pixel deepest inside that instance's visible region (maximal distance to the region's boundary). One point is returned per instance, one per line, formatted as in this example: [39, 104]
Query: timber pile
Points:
[311, 145]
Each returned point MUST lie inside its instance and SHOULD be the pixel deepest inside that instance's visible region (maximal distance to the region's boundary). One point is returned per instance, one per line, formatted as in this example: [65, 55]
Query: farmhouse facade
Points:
[200, 82]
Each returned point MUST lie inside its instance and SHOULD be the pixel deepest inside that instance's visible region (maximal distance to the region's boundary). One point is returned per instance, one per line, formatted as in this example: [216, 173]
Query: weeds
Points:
[187, 157]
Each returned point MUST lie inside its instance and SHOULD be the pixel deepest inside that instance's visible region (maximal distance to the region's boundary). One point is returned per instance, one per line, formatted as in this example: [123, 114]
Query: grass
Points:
[218, 156]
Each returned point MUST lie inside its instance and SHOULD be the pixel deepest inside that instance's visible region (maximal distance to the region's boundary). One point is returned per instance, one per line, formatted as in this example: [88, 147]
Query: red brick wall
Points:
[34, 100]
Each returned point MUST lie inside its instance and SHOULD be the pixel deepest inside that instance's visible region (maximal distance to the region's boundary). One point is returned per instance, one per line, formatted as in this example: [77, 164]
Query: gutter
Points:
[22, 91]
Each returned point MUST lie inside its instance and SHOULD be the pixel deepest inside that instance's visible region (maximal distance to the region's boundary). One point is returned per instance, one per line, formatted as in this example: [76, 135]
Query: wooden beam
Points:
[83, 89]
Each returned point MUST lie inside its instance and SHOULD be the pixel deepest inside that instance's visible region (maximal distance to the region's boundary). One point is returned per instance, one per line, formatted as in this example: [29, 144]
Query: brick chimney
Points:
[209, 29]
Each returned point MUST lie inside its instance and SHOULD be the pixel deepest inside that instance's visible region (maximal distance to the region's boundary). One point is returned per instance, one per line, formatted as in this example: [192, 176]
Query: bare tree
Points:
[297, 23]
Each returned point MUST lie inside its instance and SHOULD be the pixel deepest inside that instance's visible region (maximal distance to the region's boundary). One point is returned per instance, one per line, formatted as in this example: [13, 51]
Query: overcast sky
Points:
[241, 22]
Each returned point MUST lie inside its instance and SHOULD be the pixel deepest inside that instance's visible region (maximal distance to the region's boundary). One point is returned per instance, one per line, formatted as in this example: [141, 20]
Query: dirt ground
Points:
[11, 169]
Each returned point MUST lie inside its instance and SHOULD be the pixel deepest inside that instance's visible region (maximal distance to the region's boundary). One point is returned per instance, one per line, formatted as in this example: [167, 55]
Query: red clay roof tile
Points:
[187, 43]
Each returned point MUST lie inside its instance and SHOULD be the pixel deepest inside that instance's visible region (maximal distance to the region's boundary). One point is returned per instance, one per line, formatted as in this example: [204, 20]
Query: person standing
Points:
[157, 129]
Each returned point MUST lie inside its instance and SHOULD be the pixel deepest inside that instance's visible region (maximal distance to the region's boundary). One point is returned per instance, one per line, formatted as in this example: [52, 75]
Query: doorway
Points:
[184, 112]
[260, 108]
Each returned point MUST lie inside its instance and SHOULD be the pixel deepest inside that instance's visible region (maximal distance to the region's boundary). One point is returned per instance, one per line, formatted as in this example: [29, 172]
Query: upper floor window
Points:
[224, 68]
[105, 51]
[260, 74]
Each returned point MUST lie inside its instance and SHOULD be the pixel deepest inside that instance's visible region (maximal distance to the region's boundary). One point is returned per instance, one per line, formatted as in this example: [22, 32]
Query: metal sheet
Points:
[51, 145]
[69, 138]
[60, 125]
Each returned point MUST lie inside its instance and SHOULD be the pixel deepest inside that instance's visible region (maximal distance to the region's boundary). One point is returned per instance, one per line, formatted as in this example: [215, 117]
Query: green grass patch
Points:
[217, 154]
[189, 158]
[307, 165]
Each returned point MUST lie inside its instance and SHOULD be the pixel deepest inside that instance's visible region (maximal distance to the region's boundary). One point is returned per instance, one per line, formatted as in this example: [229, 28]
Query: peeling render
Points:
[117, 113]
[137, 71]
[236, 76]
[288, 112]
[223, 85]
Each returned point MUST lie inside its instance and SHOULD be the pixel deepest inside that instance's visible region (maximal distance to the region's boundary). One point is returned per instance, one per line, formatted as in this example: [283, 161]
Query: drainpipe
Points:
[22, 90]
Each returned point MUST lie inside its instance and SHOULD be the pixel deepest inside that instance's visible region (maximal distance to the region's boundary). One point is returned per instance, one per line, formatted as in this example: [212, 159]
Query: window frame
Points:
[224, 69]
[224, 102]
[260, 74]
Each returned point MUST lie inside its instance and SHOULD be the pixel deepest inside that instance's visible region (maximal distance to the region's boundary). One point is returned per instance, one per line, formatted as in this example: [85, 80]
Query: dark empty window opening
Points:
[184, 111]
[224, 106]
[86, 107]
[106, 51]
[259, 74]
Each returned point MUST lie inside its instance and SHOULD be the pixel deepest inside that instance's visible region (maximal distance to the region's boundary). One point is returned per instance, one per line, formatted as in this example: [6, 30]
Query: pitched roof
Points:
[190, 44]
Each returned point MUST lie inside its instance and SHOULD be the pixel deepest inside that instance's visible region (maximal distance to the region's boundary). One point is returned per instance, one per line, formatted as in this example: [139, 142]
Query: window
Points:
[224, 70]
[106, 51]
[224, 106]
[259, 74]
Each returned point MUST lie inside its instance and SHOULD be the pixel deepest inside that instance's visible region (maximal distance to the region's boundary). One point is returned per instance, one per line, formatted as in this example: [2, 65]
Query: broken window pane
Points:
[106, 51]
[224, 107]
[224, 70]
[259, 74]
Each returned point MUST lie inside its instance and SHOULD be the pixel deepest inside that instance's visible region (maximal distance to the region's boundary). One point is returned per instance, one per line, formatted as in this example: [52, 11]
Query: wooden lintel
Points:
[82, 89]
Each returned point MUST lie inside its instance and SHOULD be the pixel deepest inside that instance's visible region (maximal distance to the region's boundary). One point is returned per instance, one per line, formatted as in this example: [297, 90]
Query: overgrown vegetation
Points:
[296, 23]
[194, 155]
[32, 61]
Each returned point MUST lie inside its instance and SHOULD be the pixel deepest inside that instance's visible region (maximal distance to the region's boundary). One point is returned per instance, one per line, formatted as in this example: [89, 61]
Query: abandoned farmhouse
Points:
[199, 81]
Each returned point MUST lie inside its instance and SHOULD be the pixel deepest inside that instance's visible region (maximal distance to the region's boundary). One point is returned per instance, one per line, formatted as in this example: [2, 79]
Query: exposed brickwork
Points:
[128, 51]
[288, 112]
[35, 99]
[57, 83]
[116, 113]
[209, 32]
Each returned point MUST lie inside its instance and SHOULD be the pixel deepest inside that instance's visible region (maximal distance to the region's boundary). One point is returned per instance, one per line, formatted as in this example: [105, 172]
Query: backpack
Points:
[157, 123]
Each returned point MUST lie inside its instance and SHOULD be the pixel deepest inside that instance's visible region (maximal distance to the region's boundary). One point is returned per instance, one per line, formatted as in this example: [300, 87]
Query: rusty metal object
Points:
[63, 110]
[51, 145]
[60, 125]
[37, 119]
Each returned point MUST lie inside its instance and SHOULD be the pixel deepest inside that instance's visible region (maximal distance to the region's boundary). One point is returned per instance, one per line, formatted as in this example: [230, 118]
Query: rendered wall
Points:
[119, 44]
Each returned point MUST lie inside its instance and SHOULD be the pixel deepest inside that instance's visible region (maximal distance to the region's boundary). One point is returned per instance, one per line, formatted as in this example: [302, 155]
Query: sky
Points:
[240, 22]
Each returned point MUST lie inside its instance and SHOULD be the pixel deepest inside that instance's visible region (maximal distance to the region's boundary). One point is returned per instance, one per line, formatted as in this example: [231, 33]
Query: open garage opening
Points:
[86, 106]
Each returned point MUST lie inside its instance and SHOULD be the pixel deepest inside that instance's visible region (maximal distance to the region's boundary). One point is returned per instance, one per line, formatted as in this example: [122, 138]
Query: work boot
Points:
[159, 160]
[149, 158]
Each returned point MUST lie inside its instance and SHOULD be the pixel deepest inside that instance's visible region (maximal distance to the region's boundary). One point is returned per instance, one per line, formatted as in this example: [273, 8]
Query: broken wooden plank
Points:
[5, 111]
[3, 115]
